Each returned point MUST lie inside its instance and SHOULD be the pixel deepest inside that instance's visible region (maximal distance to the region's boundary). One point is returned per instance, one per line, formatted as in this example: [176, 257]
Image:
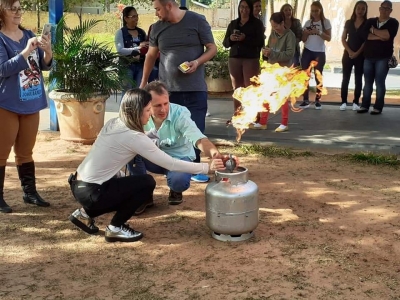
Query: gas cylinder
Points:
[232, 205]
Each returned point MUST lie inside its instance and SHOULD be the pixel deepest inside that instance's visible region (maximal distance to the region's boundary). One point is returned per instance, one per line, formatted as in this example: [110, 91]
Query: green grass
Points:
[374, 159]
[360, 157]
[106, 38]
[270, 151]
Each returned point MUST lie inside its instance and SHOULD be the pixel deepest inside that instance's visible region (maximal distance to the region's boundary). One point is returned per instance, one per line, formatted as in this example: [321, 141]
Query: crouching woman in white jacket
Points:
[95, 185]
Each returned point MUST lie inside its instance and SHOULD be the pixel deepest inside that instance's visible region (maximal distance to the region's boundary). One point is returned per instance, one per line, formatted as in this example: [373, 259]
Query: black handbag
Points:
[392, 63]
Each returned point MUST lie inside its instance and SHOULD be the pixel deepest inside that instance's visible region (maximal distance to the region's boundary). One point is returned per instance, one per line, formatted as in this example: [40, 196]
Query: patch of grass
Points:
[270, 151]
[392, 92]
[374, 159]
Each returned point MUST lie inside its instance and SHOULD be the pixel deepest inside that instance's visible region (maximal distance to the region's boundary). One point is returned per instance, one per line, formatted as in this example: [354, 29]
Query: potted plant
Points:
[85, 74]
[217, 72]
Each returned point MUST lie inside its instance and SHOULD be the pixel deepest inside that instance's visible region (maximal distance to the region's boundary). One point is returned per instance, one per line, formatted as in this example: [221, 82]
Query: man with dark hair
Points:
[181, 36]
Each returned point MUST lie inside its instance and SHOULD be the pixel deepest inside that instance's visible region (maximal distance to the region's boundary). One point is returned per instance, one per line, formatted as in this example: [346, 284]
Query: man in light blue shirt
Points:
[174, 132]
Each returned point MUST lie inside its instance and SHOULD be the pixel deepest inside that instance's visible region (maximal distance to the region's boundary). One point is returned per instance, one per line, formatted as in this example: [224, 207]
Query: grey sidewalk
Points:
[327, 128]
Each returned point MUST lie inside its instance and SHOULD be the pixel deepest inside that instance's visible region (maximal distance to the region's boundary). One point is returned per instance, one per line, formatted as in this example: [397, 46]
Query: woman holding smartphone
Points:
[316, 31]
[245, 38]
[23, 57]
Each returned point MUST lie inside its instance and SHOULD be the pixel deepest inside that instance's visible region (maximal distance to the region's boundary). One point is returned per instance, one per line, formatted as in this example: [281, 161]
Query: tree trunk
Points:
[38, 16]
[80, 15]
[295, 6]
[271, 6]
[303, 12]
[107, 5]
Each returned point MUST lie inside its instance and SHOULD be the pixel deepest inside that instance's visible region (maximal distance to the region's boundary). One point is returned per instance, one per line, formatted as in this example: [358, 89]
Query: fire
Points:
[269, 91]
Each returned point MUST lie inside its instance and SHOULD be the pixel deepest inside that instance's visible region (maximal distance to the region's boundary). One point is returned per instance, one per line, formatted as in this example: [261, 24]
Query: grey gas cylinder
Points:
[232, 205]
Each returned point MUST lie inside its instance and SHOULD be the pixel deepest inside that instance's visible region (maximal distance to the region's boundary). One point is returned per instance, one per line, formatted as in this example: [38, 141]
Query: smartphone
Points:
[183, 67]
[46, 29]
[236, 31]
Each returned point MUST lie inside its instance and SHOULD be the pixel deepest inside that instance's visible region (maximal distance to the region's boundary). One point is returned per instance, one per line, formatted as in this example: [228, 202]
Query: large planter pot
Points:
[79, 122]
[217, 85]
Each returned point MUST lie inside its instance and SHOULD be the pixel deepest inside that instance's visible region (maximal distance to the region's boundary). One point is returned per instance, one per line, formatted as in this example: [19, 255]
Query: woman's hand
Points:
[266, 51]
[234, 37]
[144, 44]
[31, 45]
[216, 164]
[241, 37]
[44, 42]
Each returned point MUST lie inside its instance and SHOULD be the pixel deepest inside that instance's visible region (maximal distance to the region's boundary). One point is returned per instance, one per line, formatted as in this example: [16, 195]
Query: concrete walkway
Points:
[328, 128]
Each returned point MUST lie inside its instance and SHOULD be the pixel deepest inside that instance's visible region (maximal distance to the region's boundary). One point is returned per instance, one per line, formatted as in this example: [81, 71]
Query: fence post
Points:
[56, 9]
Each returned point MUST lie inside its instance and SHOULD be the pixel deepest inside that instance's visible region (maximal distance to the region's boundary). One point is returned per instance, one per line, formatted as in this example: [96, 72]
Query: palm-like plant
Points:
[85, 67]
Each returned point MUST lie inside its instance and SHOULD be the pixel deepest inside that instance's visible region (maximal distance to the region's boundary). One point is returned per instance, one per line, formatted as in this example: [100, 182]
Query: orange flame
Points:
[274, 86]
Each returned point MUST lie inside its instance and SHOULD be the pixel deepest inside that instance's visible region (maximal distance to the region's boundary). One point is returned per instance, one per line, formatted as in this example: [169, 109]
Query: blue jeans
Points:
[375, 70]
[196, 103]
[176, 181]
[134, 73]
[306, 59]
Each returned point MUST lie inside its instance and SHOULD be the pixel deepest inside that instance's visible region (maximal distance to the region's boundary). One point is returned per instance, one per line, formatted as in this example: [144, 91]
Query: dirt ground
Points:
[328, 229]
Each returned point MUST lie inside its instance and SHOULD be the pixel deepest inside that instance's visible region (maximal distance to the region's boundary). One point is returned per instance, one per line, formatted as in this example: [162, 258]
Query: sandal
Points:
[375, 112]
[362, 110]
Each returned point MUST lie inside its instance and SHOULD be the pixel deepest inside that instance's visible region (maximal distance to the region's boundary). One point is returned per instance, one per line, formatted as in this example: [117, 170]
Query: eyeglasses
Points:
[15, 10]
[385, 8]
[133, 16]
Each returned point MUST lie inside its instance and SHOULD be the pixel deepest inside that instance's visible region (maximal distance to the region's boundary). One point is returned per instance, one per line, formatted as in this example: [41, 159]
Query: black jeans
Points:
[123, 195]
[306, 59]
[347, 66]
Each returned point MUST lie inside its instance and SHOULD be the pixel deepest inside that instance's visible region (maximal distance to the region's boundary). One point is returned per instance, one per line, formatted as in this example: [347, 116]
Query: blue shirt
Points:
[178, 133]
[21, 81]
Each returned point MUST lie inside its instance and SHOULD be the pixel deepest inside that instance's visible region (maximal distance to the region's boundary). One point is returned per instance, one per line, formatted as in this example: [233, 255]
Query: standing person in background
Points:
[295, 26]
[379, 34]
[181, 36]
[280, 49]
[257, 11]
[154, 73]
[23, 56]
[208, 111]
[316, 31]
[130, 41]
[245, 38]
[353, 44]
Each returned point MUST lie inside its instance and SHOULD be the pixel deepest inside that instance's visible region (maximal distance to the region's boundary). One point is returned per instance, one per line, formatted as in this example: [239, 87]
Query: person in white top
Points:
[316, 31]
[95, 185]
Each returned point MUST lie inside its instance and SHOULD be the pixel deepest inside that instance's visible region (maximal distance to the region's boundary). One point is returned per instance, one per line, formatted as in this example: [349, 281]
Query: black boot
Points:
[4, 208]
[26, 173]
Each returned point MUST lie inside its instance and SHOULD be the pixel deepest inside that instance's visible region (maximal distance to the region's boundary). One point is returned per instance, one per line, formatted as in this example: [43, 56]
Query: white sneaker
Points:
[257, 126]
[208, 114]
[124, 234]
[343, 106]
[355, 107]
